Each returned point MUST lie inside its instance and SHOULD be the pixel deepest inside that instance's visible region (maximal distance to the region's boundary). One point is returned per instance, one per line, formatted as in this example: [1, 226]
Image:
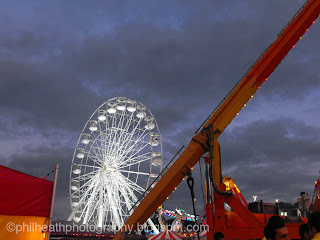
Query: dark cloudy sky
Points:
[60, 60]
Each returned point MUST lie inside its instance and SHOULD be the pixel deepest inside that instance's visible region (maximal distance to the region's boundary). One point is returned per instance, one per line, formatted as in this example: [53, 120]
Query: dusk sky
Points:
[60, 60]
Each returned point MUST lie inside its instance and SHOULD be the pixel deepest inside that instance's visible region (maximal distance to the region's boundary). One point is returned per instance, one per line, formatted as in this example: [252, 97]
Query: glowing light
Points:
[93, 126]
[102, 115]
[149, 123]
[111, 108]
[141, 113]
[85, 138]
[131, 106]
[80, 154]
[121, 104]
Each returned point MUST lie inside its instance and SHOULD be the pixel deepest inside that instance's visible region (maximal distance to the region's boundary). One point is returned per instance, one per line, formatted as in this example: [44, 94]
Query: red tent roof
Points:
[167, 235]
[24, 195]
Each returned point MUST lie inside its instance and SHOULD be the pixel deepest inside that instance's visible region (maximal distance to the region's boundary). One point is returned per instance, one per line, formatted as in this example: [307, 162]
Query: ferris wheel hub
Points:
[110, 168]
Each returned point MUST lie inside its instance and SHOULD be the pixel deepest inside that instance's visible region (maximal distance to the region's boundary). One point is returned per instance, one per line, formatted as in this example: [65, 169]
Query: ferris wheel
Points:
[117, 157]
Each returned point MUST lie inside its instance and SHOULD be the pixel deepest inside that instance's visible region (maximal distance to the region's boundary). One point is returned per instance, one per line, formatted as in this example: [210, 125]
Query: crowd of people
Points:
[276, 229]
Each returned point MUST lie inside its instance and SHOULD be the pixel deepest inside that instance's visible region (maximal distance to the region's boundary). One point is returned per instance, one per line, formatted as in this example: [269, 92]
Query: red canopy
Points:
[167, 235]
[24, 195]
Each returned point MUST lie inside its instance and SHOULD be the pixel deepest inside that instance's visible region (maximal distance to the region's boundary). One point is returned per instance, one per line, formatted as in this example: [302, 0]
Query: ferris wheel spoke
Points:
[133, 185]
[131, 134]
[96, 149]
[89, 175]
[88, 206]
[83, 187]
[114, 207]
[88, 186]
[96, 143]
[119, 129]
[130, 191]
[133, 156]
[100, 207]
[142, 135]
[132, 163]
[127, 200]
[95, 159]
[90, 166]
[136, 150]
[82, 199]
[103, 137]
[126, 127]
[112, 133]
[138, 173]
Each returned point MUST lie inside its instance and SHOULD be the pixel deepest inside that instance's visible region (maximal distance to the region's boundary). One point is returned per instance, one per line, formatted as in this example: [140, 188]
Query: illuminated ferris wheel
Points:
[117, 157]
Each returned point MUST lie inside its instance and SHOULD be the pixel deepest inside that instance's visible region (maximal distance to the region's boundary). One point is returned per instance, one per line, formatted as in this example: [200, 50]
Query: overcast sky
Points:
[60, 60]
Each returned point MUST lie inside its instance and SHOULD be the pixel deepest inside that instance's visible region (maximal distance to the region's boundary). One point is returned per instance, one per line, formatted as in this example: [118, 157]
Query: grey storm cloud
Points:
[276, 159]
[60, 60]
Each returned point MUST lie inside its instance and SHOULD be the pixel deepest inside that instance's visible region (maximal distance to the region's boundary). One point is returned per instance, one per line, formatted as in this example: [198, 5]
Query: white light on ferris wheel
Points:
[131, 107]
[156, 154]
[157, 162]
[102, 115]
[149, 123]
[111, 107]
[154, 139]
[93, 126]
[76, 169]
[141, 112]
[121, 104]
[80, 153]
[85, 138]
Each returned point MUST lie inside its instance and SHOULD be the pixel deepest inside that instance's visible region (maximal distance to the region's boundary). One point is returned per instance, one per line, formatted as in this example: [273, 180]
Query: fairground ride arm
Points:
[225, 112]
